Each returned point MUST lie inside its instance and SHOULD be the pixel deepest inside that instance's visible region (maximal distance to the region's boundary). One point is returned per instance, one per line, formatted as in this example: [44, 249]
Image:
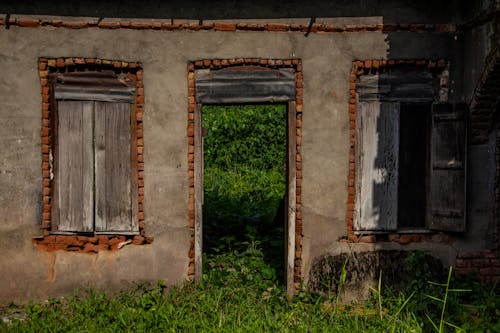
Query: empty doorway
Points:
[246, 85]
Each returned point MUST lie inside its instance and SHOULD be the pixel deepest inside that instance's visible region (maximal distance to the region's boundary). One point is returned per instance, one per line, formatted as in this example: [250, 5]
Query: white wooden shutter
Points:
[377, 151]
[74, 170]
[448, 149]
[114, 196]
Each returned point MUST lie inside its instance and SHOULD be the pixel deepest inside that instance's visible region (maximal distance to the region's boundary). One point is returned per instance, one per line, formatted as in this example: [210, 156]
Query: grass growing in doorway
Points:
[244, 179]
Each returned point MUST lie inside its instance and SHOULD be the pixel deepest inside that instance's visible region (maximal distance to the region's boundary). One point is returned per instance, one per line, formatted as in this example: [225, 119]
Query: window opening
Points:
[410, 155]
[413, 165]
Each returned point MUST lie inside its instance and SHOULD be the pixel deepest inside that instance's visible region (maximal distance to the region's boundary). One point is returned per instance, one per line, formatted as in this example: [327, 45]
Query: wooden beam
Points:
[245, 86]
[292, 198]
[198, 194]
[93, 86]
[399, 86]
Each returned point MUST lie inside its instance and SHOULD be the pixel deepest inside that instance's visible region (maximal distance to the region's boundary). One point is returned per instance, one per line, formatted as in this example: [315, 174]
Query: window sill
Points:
[94, 234]
[88, 243]
[398, 231]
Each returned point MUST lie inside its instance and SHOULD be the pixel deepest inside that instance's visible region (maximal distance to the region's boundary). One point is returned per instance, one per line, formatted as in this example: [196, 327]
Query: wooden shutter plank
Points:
[447, 199]
[377, 151]
[113, 168]
[75, 169]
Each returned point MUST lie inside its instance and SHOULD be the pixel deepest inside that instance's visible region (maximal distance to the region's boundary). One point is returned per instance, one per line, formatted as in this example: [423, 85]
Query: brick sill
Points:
[88, 244]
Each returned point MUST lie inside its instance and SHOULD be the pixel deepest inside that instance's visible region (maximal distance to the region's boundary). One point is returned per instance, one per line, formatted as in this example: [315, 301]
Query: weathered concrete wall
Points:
[482, 36]
[479, 42]
[396, 269]
[326, 60]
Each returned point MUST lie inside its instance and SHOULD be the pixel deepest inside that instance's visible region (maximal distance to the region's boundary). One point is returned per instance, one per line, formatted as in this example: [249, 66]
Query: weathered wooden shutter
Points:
[96, 181]
[377, 151]
[114, 193]
[447, 176]
[73, 210]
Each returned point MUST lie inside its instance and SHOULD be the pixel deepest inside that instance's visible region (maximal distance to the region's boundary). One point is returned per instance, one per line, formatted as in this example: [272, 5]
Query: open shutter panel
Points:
[447, 175]
[74, 167]
[377, 150]
[113, 170]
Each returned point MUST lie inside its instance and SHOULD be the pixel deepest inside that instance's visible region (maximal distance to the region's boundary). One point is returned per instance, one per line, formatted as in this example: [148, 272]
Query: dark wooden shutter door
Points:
[74, 171]
[113, 171]
[447, 176]
[377, 151]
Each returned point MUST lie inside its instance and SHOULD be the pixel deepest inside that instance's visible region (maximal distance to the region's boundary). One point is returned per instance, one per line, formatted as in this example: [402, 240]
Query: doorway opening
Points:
[245, 181]
[247, 82]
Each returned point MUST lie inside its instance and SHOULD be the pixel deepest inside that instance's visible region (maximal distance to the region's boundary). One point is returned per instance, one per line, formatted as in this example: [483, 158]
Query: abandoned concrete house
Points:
[393, 139]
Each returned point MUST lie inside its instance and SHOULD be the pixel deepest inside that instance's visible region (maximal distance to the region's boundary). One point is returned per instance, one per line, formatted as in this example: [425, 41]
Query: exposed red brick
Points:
[415, 238]
[103, 239]
[252, 26]
[75, 25]
[225, 26]
[55, 247]
[108, 25]
[141, 25]
[489, 271]
[465, 270]
[445, 27]
[28, 23]
[278, 27]
[114, 242]
[138, 240]
[138, 116]
[404, 239]
[91, 248]
[462, 263]
[170, 26]
[367, 239]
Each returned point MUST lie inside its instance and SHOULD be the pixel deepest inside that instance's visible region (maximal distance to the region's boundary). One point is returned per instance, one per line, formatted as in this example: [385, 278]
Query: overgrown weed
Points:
[240, 293]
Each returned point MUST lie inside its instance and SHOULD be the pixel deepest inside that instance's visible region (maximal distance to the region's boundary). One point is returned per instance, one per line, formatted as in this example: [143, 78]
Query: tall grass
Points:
[239, 293]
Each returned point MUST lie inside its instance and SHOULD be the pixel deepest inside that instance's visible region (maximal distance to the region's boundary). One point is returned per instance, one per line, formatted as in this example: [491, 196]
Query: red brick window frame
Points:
[294, 64]
[84, 242]
[375, 66]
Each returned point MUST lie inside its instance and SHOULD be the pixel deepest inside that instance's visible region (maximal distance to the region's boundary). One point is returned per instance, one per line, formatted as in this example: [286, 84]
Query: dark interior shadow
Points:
[244, 231]
[395, 11]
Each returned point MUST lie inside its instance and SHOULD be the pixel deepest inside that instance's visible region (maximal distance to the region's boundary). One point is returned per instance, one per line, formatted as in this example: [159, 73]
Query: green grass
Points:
[244, 179]
[239, 293]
